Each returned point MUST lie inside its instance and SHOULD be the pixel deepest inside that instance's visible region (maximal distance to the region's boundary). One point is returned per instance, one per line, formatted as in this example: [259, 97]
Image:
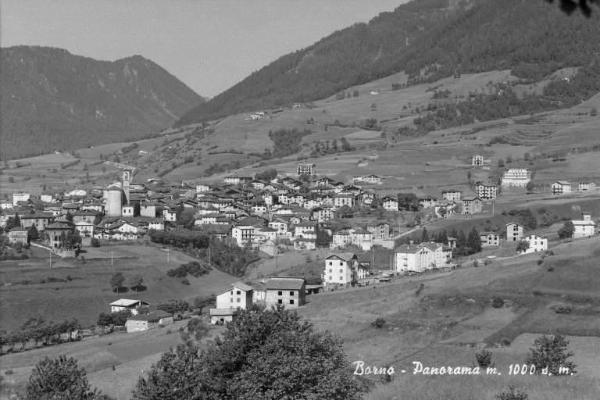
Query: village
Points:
[272, 214]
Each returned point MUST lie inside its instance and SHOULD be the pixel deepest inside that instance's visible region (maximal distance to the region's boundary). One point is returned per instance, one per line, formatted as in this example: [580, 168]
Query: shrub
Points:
[512, 394]
[484, 358]
[540, 261]
[497, 302]
[550, 352]
[563, 309]
[185, 281]
[378, 323]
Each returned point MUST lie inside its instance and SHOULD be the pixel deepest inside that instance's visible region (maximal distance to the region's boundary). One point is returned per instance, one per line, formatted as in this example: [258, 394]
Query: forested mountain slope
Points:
[428, 39]
[54, 100]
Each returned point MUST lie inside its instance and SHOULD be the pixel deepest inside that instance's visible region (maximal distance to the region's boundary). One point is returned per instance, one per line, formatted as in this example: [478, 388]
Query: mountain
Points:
[54, 100]
[428, 39]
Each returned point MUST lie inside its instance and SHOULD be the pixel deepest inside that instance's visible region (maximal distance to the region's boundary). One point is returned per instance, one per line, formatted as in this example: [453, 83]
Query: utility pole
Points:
[168, 256]
[50, 259]
[112, 260]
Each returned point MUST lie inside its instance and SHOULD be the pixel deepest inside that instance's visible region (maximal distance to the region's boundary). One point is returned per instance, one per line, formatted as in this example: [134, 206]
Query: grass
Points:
[89, 293]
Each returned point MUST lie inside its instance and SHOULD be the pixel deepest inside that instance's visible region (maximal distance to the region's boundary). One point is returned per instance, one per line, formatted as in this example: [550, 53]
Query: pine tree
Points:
[60, 379]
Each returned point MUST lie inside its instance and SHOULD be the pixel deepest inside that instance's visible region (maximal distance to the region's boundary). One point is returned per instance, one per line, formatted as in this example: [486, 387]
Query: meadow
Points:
[86, 291]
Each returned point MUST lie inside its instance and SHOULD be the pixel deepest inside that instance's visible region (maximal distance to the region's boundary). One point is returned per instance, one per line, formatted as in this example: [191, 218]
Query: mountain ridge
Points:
[428, 39]
[55, 100]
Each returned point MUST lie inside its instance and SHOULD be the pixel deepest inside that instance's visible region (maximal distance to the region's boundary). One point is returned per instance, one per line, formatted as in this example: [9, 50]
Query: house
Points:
[144, 322]
[18, 235]
[170, 215]
[85, 216]
[156, 224]
[305, 244]
[306, 169]
[451, 195]
[445, 209]
[561, 187]
[361, 238]
[421, 257]
[536, 244]
[322, 214]
[219, 316]
[390, 203]
[127, 305]
[490, 239]
[306, 230]
[514, 232]
[516, 178]
[341, 239]
[202, 188]
[472, 206]
[285, 292]
[280, 225]
[477, 160]
[40, 221]
[380, 231]
[232, 180]
[486, 192]
[343, 199]
[56, 232]
[342, 269]
[237, 296]
[86, 231]
[428, 202]
[584, 227]
[20, 197]
[128, 211]
[368, 179]
[586, 186]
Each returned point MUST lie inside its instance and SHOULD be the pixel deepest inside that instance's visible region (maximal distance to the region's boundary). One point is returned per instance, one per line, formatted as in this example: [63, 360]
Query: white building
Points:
[486, 192]
[584, 227]
[451, 195]
[421, 257]
[516, 177]
[561, 187]
[586, 186]
[17, 197]
[127, 304]
[342, 269]
[514, 232]
[477, 160]
[390, 203]
[536, 244]
[490, 239]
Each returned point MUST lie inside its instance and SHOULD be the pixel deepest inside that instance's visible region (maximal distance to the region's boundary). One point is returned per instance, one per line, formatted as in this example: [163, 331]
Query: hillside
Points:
[428, 39]
[54, 100]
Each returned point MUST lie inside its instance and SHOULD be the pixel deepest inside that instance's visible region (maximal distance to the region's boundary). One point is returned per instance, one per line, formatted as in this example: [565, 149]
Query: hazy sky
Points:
[208, 44]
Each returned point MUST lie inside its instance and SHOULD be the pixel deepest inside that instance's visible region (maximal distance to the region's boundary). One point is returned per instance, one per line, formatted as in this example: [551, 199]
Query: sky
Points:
[208, 44]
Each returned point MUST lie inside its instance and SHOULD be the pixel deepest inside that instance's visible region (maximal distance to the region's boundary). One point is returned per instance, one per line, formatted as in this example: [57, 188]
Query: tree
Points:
[530, 186]
[474, 241]
[500, 163]
[32, 233]
[136, 281]
[551, 352]
[116, 281]
[263, 354]
[13, 222]
[60, 379]
[424, 236]
[267, 175]
[522, 246]
[569, 6]
[567, 230]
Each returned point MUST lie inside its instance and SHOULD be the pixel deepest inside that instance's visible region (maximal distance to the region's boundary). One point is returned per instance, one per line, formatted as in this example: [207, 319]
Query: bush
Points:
[95, 242]
[185, 281]
[563, 309]
[550, 352]
[497, 302]
[512, 394]
[484, 358]
[378, 323]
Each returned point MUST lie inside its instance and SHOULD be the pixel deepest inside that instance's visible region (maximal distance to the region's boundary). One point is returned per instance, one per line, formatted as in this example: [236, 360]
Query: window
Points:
[231, 300]
[239, 292]
[341, 271]
[292, 301]
[330, 270]
[330, 263]
[280, 293]
[291, 293]
[239, 300]
[279, 301]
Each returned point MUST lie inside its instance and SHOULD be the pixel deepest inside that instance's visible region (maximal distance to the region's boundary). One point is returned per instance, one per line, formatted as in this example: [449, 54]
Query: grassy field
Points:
[452, 317]
[88, 292]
